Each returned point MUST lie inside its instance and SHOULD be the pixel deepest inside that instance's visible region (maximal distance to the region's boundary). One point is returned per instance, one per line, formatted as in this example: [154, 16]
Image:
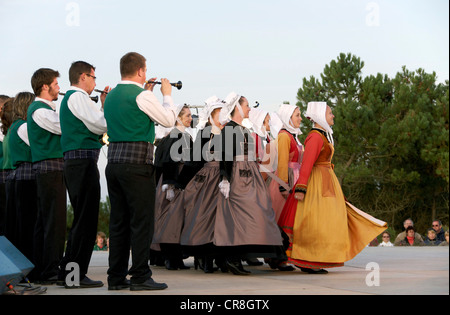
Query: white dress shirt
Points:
[82, 107]
[47, 119]
[2, 136]
[162, 114]
[22, 132]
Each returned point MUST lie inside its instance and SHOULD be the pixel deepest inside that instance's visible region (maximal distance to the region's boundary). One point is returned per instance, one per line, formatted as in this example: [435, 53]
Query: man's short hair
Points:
[77, 69]
[131, 63]
[41, 77]
[4, 98]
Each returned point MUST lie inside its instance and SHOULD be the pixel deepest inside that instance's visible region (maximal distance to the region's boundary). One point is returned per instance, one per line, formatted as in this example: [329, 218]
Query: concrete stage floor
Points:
[402, 271]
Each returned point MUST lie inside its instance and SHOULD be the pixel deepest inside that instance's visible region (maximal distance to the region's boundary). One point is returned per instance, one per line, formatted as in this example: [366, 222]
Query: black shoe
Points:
[314, 271]
[149, 284]
[198, 263]
[280, 265]
[209, 265]
[86, 283]
[237, 269]
[253, 262]
[171, 265]
[283, 266]
[49, 281]
[222, 265]
[121, 286]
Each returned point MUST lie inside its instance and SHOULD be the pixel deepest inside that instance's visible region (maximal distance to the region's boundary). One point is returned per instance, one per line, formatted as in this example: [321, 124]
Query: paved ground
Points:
[402, 271]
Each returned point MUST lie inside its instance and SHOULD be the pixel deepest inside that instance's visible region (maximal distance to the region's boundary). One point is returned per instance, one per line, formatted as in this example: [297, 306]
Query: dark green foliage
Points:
[391, 137]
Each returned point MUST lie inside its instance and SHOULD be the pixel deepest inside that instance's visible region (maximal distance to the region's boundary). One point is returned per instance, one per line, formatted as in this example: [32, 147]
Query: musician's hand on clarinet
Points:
[149, 85]
[106, 90]
[166, 87]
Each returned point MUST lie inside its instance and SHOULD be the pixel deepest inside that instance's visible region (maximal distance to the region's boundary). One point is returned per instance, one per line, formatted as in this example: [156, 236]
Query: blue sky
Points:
[258, 48]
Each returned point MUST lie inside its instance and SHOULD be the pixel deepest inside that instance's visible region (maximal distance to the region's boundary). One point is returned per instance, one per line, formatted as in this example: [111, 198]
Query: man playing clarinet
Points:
[82, 123]
[131, 112]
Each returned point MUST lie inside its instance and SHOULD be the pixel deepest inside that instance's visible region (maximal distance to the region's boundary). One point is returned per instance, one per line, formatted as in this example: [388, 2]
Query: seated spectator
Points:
[431, 239]
[402, 236]
[411, 238]
[440, 233]
[386, 240]
[100, 245]
[445, 243]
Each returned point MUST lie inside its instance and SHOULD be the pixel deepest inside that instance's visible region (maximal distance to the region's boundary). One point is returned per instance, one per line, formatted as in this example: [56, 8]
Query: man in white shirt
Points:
[131, 113]
[82, 124]
[44, 132]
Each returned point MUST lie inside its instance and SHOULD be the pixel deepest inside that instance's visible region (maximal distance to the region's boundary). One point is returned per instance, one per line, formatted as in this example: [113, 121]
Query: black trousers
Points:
[50, 230]
[82, 180]
[12, 232]
[2, 209]
[25, 195]
[131, 189]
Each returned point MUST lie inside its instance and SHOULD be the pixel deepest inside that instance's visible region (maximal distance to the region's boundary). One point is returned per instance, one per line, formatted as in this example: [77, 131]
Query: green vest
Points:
[126, 122]
[19, 151]
[44, 144]
[7, 161]
[75, 134]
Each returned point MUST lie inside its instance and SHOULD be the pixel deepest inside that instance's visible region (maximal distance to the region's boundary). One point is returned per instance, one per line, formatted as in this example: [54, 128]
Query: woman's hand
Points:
[300, 196]
[285, 194]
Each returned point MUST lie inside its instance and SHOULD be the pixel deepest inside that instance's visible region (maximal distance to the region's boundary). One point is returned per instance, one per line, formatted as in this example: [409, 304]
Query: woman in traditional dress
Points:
[260, 120]
[318, 209]
[245, 223]
[171, 153]
[289, 155]
[200, 195]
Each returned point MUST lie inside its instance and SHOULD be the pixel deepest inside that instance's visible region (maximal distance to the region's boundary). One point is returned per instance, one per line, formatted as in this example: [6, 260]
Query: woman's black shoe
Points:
[198, 263]
[237, 269]
[171, 265]
[209, 265]
[314, 271]
[253, 262]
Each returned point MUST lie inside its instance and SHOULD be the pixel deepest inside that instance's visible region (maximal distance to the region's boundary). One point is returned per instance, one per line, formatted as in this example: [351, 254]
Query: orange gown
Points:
[324, 229]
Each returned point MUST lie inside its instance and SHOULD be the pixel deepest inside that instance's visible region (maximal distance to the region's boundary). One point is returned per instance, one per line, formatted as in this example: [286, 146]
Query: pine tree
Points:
[391, 139]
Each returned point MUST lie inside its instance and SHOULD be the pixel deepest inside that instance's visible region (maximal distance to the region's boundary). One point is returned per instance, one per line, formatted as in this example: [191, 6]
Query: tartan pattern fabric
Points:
[130, 153]
[24, 172]
[47, 166]
[92, 154]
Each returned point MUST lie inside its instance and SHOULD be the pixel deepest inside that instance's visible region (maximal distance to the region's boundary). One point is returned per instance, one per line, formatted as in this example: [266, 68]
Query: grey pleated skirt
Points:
[246, 217]
[200, 200]
[169, 218]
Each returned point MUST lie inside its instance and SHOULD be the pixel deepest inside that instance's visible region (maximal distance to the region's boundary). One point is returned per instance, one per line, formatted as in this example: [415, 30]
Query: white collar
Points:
[49, 103]
[75, 88]
[130, 82]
